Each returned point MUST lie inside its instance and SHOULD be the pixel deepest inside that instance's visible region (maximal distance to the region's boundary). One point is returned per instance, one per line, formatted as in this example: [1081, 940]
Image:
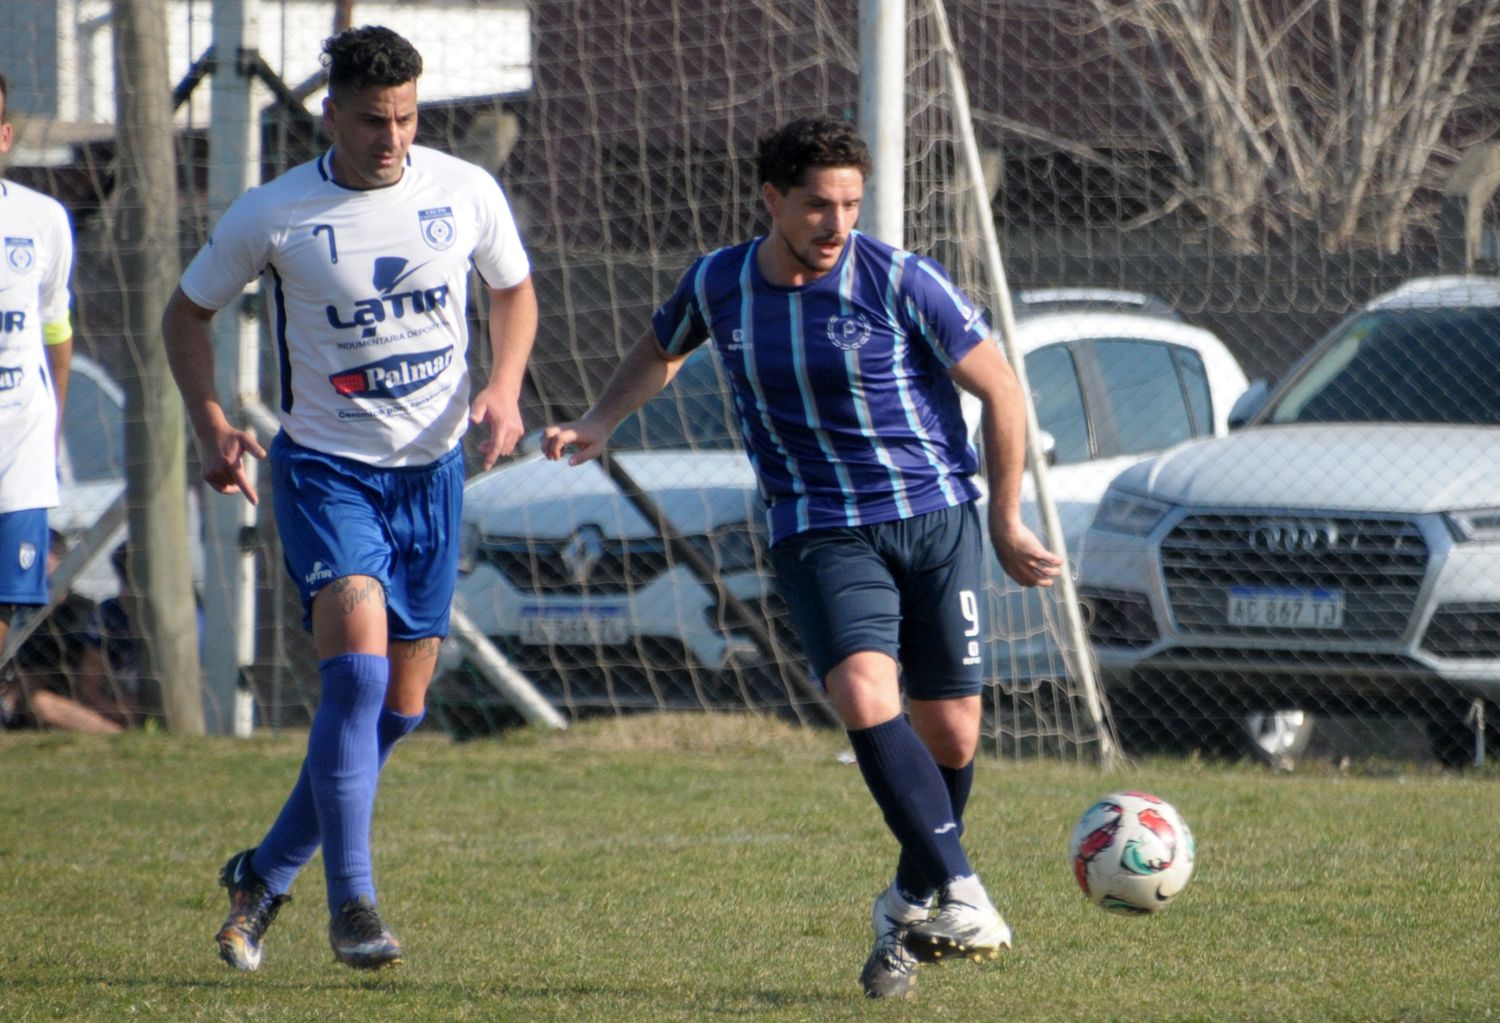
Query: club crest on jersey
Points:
[393, 376]
[27, 556]
[20, 253]
[390, 303]
[10, 377]
[438, 228]
[849, 332]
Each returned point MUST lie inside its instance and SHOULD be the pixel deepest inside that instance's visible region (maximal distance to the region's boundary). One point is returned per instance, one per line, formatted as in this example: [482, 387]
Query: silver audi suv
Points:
[1337, 554]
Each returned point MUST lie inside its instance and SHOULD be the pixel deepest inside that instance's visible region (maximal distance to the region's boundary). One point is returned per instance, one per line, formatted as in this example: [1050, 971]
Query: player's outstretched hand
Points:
[580, 440]
[504, 419]
[1022, 555]
[224, 462]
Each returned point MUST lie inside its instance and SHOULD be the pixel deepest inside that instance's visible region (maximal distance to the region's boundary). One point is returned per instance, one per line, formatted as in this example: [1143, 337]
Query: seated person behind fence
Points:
[55, 679]
[113, 669]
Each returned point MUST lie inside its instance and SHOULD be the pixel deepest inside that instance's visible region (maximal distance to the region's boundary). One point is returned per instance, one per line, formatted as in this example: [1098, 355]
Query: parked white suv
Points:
[575, 584]
[1339, 555]
[91, 466]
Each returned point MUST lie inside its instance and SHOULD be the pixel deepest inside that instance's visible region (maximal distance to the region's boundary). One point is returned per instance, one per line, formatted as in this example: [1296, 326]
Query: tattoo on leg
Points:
[420, 649]
[350, 595]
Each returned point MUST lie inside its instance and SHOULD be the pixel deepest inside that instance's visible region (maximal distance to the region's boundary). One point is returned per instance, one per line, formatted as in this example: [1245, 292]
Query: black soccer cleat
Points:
[252, 907]
[360, 939]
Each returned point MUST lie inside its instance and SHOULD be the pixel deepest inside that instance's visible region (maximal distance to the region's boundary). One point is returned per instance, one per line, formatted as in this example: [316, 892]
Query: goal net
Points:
[642, 158]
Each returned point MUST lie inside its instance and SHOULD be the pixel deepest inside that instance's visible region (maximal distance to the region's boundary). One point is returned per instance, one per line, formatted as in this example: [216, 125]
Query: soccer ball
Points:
[1131, 853]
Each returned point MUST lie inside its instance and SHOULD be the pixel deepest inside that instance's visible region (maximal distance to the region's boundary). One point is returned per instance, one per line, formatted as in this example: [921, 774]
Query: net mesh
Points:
[1261, 172]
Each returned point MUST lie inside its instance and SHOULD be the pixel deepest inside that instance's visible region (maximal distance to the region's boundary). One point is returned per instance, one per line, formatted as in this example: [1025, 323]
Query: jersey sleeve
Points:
[940, 314]
[499, 254]
[236, 252]
[55, 296]
[680, 322]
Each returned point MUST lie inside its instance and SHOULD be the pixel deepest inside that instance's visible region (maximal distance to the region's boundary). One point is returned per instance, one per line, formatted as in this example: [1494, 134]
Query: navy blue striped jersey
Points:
[841, 385]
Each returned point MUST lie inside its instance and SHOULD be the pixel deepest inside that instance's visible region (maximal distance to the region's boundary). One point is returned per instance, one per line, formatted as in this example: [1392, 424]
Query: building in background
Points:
[58, 57]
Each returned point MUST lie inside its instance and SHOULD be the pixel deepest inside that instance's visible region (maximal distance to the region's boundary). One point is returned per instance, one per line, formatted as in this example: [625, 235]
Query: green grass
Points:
[702, 869]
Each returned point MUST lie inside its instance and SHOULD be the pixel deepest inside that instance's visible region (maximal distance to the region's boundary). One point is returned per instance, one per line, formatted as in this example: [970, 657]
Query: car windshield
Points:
[1402, 366]
[694, 412]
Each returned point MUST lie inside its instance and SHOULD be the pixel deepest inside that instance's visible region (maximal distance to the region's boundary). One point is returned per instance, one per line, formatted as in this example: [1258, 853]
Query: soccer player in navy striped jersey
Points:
[364, 255]
[843, 354]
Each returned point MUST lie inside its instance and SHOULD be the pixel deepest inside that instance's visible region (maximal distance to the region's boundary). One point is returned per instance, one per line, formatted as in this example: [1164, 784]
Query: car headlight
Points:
[1124, 512]
[1475, 525]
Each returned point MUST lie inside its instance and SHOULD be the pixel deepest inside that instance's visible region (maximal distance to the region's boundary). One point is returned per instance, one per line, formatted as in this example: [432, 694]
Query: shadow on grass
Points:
[709, 1005]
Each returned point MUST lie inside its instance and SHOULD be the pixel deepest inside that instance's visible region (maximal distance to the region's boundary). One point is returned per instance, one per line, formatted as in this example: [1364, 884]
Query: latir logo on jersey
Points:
[20, 253]
[394, 375]
[369, 313]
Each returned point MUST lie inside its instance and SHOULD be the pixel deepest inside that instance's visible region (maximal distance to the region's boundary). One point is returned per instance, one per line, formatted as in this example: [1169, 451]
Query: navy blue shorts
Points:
[908, 588]
[23, 556]
[339, 517]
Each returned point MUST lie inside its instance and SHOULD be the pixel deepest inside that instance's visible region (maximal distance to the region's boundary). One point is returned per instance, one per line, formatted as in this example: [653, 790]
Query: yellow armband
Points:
[58, 331]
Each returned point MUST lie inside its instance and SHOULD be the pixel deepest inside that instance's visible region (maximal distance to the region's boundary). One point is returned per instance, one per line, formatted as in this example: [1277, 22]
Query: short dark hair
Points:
[4, 99]
[784, 157]
[371, 56]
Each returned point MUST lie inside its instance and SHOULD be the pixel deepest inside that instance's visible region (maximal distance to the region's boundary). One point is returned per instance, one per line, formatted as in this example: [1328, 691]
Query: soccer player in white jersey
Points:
[36, 353]
[842, 353]
[364, 256]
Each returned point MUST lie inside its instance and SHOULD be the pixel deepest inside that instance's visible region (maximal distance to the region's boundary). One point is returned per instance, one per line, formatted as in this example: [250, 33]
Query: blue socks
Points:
[294, 837]
[913, 796]
[334, 797]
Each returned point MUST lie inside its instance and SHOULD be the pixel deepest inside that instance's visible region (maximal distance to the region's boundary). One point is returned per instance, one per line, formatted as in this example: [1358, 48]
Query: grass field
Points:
[708, 869]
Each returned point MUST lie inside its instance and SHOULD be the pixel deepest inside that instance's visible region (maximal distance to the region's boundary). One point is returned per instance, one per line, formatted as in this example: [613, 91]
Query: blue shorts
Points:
[908, 588]
[23, 556]
[339, 517]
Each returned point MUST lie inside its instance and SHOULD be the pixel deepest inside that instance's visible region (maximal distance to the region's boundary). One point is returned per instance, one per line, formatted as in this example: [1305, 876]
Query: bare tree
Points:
[1277, 113]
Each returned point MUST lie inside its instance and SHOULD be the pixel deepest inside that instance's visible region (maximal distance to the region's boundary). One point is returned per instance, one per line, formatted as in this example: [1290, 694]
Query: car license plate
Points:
[1286, 607]
[572, 625]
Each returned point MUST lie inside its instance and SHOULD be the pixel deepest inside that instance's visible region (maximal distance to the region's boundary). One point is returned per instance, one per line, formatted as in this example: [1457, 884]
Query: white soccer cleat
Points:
[891, 970]
[958, 930]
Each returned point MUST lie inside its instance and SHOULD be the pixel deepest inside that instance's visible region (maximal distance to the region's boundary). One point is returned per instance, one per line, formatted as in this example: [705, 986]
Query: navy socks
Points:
[913, 796]
[910, 882]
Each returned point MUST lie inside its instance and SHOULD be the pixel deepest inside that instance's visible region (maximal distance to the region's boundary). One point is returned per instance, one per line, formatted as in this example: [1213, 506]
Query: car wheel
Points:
[1450, 733]
[1278, 737]
[464, 705]
[1171, 719]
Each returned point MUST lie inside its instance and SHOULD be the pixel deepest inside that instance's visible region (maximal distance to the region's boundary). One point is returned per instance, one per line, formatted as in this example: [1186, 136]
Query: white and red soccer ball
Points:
[1131, 853]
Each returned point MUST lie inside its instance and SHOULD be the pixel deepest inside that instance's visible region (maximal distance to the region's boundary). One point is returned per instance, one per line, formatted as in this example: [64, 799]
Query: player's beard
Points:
[808, 257]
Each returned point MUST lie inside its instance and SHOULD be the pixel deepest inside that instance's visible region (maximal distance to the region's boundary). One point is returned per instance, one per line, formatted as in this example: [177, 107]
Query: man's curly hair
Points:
[784, 157]
[369, 57]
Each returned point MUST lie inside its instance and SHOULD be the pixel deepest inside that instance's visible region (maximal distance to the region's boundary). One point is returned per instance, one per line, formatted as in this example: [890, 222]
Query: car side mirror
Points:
[1249, 404]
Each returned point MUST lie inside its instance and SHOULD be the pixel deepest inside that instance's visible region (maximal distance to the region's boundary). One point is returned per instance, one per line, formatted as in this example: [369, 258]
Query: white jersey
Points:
[34, 272]
[368, 298]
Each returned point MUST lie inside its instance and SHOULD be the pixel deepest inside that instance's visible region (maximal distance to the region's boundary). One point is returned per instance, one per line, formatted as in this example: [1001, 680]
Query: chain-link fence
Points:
[1187, 198]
